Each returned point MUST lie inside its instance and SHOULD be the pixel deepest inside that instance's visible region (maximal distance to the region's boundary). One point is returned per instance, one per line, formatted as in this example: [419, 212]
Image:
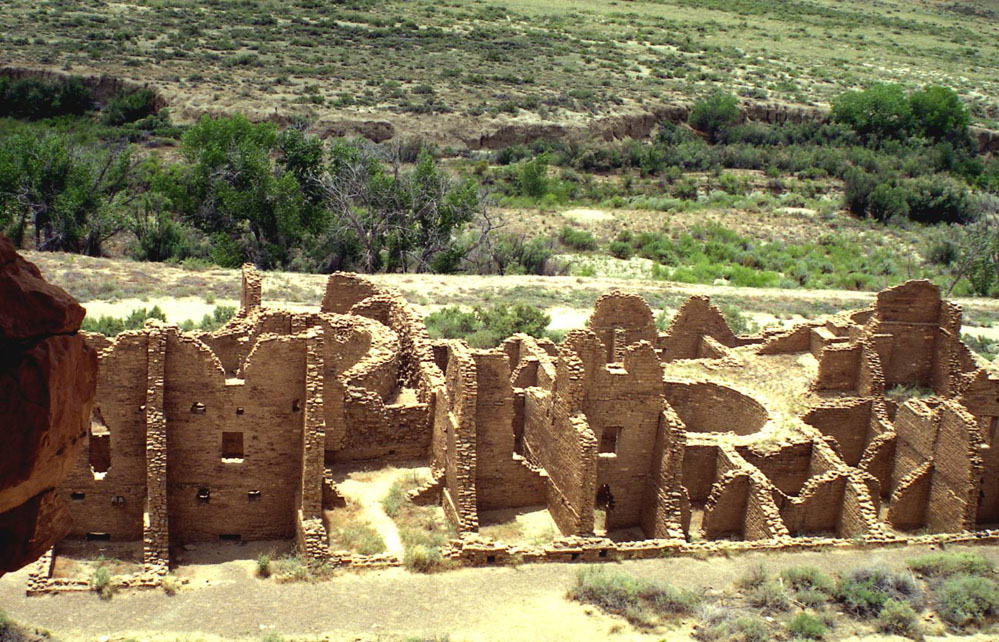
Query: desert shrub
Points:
[218, 318]
[264, 565]
[808, 578]
[939, 199]
[637, 600]
[485, 327]
[865, 591]
[620, 250]
[34, 99]
[170, 584]
[756, 575]
[720, 624]
[887, 201]
[393, 500]
[983, 345]
[770, 596]
[532, 177]
[807, 626]
[963, 600]
[361, 538]
[100, 583]
[946, 564]
[128, 107]
[857, 188]
[577, 239]
[111, 326]
[899, 618]
[715, 114]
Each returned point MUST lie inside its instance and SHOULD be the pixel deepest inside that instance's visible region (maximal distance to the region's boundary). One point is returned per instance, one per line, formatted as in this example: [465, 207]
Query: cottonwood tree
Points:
[73, 196]
[393, 219]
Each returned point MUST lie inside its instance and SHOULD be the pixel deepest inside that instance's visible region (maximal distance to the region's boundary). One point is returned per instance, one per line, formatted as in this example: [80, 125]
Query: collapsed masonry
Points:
[620, 429]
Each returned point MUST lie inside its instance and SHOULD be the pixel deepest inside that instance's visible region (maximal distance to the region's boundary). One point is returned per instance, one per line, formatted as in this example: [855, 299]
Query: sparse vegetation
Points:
[641, 602]
[486, 327]
[101, 584]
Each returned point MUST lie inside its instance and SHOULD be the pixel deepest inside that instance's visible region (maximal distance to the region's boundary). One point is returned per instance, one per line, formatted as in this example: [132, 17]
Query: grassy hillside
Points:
[430, 65]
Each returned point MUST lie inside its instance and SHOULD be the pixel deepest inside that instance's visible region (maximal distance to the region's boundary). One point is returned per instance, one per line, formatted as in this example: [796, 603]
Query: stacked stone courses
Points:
[634, 440]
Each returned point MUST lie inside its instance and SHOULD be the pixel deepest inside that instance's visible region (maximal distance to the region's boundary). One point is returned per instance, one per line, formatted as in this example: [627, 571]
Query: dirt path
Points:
[480, 604]
[367, 493]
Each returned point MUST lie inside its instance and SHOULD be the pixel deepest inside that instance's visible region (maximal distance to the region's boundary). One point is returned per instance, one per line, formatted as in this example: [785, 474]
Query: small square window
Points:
[232, 446]
[609, 439]
[253, 496]
[77, 496]
[204, 496]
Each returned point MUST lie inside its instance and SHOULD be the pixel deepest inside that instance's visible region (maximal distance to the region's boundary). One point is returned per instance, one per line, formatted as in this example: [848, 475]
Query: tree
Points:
[398, 220]
[939, 114]
[253, 208]
[74, 196]
[877, 113]
[715, 114]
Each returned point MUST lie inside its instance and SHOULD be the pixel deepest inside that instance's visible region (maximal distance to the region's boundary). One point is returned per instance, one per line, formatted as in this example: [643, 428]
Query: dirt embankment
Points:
[476, 132]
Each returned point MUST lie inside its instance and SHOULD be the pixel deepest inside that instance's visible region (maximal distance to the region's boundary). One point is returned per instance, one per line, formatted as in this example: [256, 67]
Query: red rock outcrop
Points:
[47, 384]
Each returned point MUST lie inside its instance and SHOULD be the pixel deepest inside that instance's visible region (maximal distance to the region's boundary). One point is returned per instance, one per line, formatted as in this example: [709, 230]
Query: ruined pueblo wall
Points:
[111, 498]
[501, 481]
[250, 490]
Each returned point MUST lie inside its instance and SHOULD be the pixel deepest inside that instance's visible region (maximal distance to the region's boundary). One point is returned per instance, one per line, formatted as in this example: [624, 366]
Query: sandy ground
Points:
[475, 604]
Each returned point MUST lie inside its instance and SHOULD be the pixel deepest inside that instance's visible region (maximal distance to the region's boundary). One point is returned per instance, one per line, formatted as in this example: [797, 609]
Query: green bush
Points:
[635, 599]
[715, 114]
[808, 578]
[807, 626]
[486, 327]
[620, 250]
[110, 326]
[264, 565]
[532, 177]
[34, 99]
[899, 618]
[887, 201]
[581, 240]
[100, 583]
[939, 199]
[770, 596]
[129, 107]
[865, 591]
[423, 558]
[939, 114]
[877, 113]
[720, 624]
[967, 599]
[946, 564]
[361, 538]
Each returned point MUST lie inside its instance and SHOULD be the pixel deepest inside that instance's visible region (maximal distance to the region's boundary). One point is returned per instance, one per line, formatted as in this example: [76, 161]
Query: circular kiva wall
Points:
[711, 407]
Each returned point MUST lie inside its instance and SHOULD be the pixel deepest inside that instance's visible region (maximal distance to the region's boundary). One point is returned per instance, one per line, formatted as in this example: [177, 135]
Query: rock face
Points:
[47, 382]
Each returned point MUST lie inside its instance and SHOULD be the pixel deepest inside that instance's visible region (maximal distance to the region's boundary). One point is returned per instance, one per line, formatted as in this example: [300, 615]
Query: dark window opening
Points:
[204, 495]
[230, 537]
[574, 557]
[253, 496]
[232, 445]
[605, 499]
[239, 411]
[100, 452]
[603, 552]
[98, 537]
[117, 500]
[609, 439]
[141, 409]
[490, 559]
[77, 496]
[296, 406]
[198, 408]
